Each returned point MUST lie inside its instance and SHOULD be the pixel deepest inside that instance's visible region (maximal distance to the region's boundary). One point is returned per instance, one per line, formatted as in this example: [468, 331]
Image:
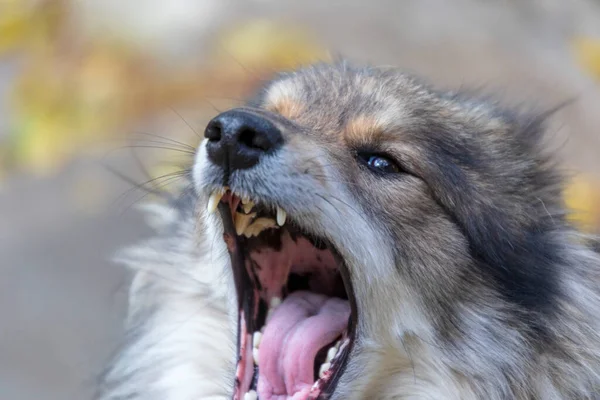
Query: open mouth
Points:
[297, 312]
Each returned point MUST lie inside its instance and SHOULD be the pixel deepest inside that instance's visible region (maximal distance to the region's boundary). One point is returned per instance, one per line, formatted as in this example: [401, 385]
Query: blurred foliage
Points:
[587, 51]
[74, 89]
[583, 198]
[30, 24]
[583, 193]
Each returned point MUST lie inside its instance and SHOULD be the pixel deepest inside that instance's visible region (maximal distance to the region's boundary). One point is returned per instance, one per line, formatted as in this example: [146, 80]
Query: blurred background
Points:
[92, 91]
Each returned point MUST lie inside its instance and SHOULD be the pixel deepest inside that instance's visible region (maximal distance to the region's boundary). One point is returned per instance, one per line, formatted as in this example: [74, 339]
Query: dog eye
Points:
[380, 163]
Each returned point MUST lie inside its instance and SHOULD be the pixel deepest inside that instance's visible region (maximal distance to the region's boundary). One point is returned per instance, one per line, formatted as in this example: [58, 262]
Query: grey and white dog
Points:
[352, 233]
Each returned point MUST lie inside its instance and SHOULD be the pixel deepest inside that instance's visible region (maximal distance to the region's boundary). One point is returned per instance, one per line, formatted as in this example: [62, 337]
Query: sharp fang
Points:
[275, 302]
[245, 199]
[256, 339]
[251, 395]
[323, 369]
[281, 216]
[331, 353]
[242, 221]
[255, 356]
[214, 200]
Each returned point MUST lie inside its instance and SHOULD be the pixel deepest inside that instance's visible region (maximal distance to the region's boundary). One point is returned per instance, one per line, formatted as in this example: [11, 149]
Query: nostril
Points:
[247, 137]
[251, 139]
[237, 139]
[213, 131]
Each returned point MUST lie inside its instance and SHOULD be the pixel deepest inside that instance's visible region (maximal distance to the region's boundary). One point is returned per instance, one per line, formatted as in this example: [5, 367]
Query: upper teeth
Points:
[259, 225]
[242, 221]
[246, 223]
[214, 200]
[281, 216]
[248, 206]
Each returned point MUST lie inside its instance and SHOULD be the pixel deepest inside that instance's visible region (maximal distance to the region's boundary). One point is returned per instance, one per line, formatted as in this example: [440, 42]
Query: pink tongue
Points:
[301, 326]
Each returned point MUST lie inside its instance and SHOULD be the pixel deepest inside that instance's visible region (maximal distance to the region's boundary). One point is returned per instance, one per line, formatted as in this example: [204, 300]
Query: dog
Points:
[352, 233]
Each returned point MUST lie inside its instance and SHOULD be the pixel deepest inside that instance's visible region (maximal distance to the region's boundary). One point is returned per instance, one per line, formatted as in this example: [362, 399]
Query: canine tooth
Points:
[323, 369]
[256, 339]
[331, 353]
[214, 200]
[251, 395]
[242, 221]
[275, 302]
[255, 356]
[245, 199]
[281, 216]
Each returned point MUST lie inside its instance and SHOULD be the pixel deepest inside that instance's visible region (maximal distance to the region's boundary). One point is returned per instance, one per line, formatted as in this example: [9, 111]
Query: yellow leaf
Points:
[43, 142]
[31, 25]
[582, 197]
[587, 52]
[14, 30]
[263, 43]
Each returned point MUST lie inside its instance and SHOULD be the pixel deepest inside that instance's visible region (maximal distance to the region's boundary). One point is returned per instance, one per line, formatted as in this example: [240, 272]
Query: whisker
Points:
[140, 164]
[163, 184]
[132, 182]
[156, 147]
[145, 142]
[184, 120]
[156, 190]
[175, 142]
[213, 106]
[343, 202]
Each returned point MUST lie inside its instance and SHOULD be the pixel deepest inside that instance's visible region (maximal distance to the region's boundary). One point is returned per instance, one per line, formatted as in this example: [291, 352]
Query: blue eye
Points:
[380, 163]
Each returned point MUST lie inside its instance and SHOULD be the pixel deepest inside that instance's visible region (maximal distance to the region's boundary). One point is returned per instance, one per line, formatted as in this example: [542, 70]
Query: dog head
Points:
[428, 211]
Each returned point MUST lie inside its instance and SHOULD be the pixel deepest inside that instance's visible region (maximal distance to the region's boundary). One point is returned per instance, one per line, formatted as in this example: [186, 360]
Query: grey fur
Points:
[470, 284]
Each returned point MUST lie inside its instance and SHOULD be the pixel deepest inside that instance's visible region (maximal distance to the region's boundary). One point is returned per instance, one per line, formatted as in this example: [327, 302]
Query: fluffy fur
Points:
[469, 282]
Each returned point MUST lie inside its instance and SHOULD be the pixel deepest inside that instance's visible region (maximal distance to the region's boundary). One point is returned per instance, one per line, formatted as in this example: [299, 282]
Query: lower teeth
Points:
[323, 369]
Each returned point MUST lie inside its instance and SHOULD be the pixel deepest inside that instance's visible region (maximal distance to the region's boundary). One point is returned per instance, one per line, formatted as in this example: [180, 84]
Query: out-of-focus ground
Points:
[62, 214]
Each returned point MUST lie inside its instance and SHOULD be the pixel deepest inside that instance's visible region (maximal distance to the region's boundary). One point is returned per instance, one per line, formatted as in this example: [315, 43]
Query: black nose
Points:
[237, 139]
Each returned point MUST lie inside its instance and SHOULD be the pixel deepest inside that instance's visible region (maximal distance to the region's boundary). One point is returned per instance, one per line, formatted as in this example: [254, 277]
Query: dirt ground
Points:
[62, 301]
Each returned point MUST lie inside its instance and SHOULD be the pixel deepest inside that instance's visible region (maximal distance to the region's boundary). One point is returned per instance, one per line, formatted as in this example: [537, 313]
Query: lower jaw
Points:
[247, 376]
[253, 310]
